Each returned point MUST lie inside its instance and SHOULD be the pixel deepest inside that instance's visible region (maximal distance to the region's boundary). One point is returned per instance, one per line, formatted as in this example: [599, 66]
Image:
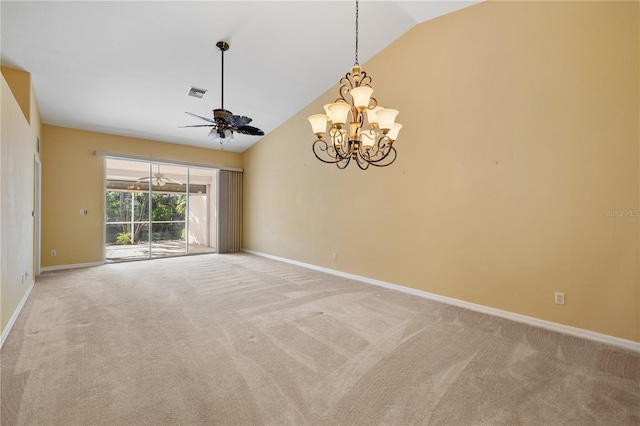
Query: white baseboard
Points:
[16, 313]
[72, 266]
[536, 322]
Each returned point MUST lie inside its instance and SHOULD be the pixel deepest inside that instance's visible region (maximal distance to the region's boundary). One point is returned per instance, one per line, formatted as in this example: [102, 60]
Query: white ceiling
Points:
[125, 67]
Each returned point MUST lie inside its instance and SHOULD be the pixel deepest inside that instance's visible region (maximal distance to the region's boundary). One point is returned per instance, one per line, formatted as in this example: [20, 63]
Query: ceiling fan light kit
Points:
[158, 179]
[224, 122]
[348, 139]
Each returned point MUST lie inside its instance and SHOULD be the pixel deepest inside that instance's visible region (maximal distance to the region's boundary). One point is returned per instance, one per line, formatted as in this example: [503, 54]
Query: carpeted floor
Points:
[243, 340]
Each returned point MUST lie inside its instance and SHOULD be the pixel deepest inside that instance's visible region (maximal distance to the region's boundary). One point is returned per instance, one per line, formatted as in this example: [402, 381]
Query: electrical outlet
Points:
[53, 253]
[559, 298]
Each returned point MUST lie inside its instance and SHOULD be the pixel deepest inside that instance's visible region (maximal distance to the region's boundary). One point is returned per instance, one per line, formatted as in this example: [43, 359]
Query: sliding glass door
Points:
[158, 210]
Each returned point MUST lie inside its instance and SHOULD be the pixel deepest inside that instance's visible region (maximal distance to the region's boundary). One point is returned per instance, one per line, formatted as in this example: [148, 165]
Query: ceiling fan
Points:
[158, 179]
[224, 123]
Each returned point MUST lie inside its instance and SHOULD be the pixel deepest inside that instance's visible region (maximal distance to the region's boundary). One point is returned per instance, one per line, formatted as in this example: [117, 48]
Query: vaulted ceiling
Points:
[125, 67]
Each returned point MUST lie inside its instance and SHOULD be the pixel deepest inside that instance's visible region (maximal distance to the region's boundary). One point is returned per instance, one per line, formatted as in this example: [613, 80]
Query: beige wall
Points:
[521, 133]
[17, 159]
[73, 179]
[20, 84]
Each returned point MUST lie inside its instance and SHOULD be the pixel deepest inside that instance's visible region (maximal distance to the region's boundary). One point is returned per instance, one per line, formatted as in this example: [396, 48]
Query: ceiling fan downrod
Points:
[223, 46]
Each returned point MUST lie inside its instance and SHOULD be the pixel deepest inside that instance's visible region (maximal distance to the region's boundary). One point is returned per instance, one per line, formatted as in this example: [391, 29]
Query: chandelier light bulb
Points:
[361, 96]
[318, 123]
[386, 118]
[393, 133]
[339, 112]
[368, 138]
[372, 115]
[326, 111]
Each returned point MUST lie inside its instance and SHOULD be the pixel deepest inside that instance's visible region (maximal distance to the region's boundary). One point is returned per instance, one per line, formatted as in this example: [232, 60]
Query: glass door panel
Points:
[168, 210]
[126, 210]
[119, 225]
[202, 211]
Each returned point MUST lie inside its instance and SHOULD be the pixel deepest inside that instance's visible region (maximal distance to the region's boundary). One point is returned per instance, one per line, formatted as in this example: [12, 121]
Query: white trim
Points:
[37, 212]
[16, 313]
[536, 322]
[152, 159]
[72, 266]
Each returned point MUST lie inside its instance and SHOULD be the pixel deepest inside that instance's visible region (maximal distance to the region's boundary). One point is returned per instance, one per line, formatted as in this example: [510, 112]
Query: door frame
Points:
[37, 208]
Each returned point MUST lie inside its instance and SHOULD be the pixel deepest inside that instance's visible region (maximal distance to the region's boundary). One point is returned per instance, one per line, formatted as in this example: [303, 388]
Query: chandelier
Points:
[348, 138]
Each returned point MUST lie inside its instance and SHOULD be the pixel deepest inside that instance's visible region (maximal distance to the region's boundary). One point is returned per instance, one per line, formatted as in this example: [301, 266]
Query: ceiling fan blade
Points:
[210, 120]
[199, 125]
[173, 181]
[249, 130]
[237, 120]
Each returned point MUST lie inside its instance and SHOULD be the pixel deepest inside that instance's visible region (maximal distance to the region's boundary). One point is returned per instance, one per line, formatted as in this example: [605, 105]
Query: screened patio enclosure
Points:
[158, 210]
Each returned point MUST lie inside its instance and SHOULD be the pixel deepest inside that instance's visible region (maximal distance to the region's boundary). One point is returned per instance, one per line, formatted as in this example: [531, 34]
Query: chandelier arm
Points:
[380, 156]
[395, 155]
[373, 102]
[383, 142]
[370, 134]
[364, 152]
[363, 160]
[346, 85]
[344, 149]
[335, 159]
[345, 161]
[337, 154]
[364, 165]
[365, 80]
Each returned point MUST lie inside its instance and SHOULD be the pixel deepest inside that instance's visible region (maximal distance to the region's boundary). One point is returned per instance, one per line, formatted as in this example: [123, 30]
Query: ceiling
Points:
[125, 67]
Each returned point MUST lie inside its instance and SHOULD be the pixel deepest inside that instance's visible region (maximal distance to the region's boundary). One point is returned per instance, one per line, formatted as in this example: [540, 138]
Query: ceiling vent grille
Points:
[196, 93]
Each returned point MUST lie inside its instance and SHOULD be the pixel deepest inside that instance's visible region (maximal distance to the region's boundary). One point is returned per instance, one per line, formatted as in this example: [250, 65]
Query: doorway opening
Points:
[158, 210]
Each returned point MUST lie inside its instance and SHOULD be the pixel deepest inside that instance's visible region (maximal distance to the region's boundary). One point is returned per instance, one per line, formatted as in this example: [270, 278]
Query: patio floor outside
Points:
[124, 252]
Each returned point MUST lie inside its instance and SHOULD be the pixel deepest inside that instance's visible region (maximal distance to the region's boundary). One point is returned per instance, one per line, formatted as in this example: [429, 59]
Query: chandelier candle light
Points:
[348, 138]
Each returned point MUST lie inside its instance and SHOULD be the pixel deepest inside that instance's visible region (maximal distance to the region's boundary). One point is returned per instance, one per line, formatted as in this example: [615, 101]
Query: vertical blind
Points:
[229, 211]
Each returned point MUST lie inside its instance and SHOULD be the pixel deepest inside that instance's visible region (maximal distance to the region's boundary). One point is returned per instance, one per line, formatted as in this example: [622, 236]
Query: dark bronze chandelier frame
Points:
[349, 141]
[342, 148]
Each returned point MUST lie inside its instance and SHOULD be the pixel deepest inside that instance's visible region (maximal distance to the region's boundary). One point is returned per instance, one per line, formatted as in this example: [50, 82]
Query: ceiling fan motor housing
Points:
[221, 113]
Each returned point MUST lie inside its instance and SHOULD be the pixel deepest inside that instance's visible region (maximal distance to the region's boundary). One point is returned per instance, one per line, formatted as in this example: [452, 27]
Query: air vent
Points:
[196, 93]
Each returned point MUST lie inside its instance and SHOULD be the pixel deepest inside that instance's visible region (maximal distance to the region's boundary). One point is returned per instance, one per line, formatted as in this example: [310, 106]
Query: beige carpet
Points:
[242, 340]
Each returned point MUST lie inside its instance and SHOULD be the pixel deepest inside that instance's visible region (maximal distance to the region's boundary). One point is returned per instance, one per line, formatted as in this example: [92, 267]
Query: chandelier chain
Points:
[356, 63]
